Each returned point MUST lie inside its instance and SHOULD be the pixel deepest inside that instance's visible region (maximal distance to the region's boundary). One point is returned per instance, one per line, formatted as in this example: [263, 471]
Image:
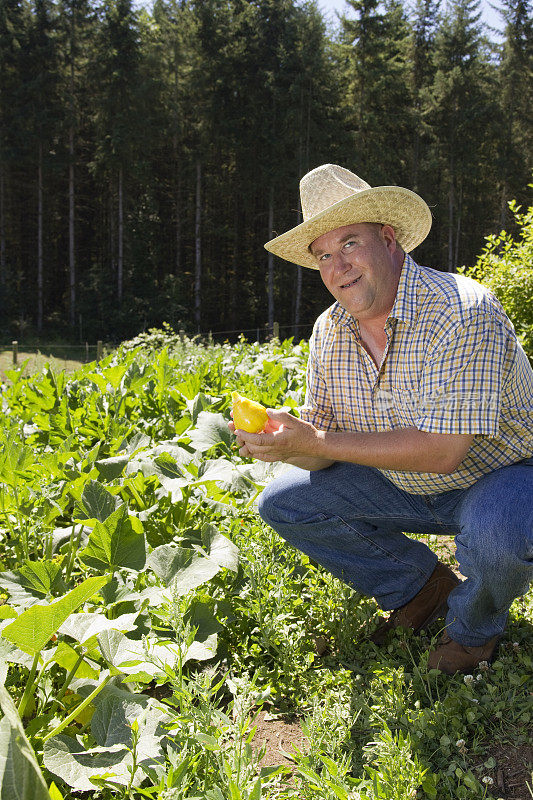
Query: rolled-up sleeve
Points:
[461, 385]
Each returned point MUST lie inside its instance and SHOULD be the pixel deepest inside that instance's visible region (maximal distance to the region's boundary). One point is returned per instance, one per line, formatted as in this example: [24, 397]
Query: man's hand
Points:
[285, 438]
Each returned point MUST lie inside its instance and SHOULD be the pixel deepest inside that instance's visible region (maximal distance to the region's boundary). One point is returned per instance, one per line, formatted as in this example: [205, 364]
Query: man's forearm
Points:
[405, 449]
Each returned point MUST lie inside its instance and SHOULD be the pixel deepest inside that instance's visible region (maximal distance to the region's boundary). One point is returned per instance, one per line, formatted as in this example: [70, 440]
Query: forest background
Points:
[147, 154]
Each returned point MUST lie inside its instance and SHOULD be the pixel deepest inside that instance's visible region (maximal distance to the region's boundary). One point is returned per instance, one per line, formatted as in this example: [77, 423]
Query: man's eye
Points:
[348, 244]
[324, 256]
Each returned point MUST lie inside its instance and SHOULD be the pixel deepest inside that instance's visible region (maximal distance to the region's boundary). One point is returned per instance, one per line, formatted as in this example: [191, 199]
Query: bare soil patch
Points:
[279, 734]
[513, 771]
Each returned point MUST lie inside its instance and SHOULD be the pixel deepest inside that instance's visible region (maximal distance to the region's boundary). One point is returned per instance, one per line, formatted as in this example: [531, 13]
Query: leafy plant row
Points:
[116, 486]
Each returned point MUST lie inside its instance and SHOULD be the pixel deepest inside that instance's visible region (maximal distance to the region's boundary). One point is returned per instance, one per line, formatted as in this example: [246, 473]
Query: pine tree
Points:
[377, 77]
[76, 25]
[43, 113]
[13, 31]
[461, 112]
[516, 103]
[119, 120]
[423, 30]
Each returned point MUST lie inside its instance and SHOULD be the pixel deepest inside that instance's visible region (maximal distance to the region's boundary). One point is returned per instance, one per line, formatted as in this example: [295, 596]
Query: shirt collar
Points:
[405, 303]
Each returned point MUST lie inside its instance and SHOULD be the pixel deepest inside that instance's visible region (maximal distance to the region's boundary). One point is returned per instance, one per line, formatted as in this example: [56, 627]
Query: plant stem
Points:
[77, 710]
[69, 677]
[28, 691]
[73, 549]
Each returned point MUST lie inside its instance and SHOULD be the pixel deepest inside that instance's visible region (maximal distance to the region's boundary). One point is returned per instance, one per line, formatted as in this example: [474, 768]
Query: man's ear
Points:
[389, 237]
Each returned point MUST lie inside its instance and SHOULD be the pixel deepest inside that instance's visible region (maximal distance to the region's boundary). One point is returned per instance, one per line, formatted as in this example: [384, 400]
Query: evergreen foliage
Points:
[506, 267]
[147, 155]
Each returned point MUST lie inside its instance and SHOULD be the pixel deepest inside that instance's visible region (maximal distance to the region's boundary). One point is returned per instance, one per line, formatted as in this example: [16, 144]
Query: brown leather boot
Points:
[451, 657]
[428, 605]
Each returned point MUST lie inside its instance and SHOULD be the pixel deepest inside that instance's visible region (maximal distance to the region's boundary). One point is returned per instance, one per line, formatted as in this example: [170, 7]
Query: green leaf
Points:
[97, 502]
[114, 543]
[200, 403]
[20, 776]
[113, 719]
[55, 794]
[15, 458]
[40, 576]
[209, 742]
[69, 760]
[166, 466]
[66, 657]
[83, 627]
[181, 567]
[34, 627]
[111, 468]
[221, 549]
[211, 430]
[13, 655]
[217, 469]
[21, 593]
[126, 655]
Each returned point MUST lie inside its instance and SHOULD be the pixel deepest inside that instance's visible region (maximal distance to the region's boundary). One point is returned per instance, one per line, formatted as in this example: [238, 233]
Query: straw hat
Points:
[333, 197]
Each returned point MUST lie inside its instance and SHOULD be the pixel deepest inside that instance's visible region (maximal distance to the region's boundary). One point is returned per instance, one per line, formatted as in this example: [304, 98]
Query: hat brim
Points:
[404, 210]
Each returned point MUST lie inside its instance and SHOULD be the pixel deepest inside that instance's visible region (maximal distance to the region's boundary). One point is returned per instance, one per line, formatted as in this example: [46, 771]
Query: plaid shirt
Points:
[452, 365]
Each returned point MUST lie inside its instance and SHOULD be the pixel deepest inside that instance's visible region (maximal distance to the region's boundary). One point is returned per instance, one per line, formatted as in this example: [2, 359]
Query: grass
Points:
[377, 723]
[31, 363]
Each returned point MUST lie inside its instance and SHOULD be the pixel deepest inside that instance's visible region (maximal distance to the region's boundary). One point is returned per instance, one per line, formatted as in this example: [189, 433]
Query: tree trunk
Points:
[298, 292]
[198, 249]
[451, 202]
[40, 282]
[120, 263]
[416, 149]
[71, 239]
[503, 204]
[2, 233]
[458, 227]
[177, 262]
[270, 281]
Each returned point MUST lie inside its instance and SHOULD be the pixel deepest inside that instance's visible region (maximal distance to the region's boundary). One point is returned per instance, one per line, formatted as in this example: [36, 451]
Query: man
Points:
[418, 417]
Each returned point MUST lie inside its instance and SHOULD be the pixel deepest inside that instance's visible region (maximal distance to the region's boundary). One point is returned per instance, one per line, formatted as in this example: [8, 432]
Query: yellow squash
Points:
[248, 415]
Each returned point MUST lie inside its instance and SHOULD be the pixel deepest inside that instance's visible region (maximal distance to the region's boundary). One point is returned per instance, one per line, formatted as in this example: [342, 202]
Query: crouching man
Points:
[418, 417]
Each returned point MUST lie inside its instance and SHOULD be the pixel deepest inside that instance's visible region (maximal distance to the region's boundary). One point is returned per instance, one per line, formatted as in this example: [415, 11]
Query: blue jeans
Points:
[351, 519]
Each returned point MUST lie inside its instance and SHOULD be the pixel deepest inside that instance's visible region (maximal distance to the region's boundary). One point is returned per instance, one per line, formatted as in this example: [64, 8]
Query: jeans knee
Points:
[266, 504]
[288, 503]
[496, 519]
[496, 545]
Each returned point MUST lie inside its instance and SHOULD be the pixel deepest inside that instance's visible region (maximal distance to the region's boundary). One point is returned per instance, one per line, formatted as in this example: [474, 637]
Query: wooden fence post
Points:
[275, 330]
[99, 350]
[15, 351]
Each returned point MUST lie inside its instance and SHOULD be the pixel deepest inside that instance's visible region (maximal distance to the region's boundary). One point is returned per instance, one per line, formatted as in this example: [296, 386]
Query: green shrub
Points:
[505, 266]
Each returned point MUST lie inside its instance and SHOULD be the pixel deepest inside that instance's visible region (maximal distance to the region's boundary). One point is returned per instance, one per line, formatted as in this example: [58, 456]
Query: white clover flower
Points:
[483, 666]
[479, 677]
[461, 745]
[488, 780]
[469, 680]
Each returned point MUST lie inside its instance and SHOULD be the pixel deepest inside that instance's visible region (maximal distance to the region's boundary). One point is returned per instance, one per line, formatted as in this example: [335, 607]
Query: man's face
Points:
[360, 265]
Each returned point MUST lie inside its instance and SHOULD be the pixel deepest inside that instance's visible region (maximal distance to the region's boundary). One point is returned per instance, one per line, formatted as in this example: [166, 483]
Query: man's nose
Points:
[341, 261]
